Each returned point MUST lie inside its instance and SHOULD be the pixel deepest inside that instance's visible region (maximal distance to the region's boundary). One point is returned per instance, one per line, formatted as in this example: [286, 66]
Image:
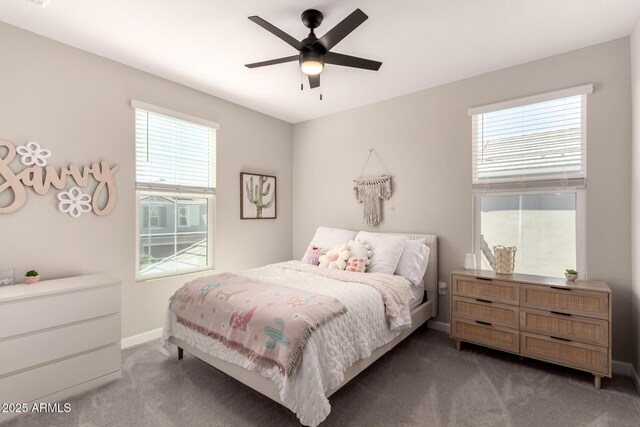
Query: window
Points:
[183, 216]
[529, 180]
[154, 215]
[175, 182]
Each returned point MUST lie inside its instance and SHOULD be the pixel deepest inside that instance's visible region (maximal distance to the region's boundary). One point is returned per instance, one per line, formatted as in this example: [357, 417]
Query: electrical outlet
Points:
[442, 288]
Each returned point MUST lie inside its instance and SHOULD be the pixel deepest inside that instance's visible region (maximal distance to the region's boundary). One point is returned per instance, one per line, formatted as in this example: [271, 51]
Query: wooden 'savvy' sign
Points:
[41, 177]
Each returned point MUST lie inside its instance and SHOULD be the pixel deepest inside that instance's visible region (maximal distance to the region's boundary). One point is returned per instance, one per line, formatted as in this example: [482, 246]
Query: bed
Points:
[294, 393]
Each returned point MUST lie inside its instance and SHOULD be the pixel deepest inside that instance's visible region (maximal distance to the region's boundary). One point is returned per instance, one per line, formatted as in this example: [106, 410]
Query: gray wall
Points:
[425, 140]
[635, 184]
[77, 105]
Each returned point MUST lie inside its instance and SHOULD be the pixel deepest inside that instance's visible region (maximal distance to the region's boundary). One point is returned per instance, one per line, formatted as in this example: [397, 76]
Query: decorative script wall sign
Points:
[40, 177]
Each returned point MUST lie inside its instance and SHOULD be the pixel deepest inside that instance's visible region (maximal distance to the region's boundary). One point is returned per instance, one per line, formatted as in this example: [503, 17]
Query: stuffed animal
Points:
[336, 258]
[313, 254]
[360, 249]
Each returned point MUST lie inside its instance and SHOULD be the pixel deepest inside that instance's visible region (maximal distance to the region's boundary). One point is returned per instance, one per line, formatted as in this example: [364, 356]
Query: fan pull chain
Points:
[301, 84]
[320, 96]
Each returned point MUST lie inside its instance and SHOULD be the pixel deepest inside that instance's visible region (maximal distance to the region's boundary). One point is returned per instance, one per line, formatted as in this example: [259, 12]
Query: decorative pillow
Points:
[386, 248]
[313, 254]
[336, 258]
[360, 250]
[357, 264]
[326, 237]
[414, 261]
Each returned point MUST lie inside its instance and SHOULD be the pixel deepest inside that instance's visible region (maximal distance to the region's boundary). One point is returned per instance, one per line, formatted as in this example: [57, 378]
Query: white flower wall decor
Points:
[74, 202]
[40, 177]
[31, 154]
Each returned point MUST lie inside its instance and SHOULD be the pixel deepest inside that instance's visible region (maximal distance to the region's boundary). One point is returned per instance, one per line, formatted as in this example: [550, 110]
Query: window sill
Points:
[154, 278]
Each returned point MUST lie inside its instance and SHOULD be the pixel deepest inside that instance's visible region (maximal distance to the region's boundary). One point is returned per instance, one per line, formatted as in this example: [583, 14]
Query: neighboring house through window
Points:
[175, 182]
[529, 181]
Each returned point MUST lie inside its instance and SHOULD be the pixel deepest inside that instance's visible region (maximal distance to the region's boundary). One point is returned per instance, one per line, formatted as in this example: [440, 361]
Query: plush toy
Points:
[336, 258]
[313, 254]
[360, 249]
[356, 264]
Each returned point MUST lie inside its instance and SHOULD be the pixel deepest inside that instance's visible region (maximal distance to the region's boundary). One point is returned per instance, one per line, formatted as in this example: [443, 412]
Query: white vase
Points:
[470, 262]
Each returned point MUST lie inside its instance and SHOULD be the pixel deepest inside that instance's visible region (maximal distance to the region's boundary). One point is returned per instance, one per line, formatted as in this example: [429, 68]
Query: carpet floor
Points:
[422, 382]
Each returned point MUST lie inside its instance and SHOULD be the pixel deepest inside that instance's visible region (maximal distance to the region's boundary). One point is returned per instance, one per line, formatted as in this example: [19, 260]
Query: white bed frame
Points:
[419, 315]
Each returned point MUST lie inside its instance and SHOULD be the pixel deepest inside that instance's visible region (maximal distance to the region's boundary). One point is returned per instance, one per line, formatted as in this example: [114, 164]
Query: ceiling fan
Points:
[314, 52]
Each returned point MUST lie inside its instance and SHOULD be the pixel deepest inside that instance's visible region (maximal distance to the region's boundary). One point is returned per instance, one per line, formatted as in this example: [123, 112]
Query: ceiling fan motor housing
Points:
[312, 18]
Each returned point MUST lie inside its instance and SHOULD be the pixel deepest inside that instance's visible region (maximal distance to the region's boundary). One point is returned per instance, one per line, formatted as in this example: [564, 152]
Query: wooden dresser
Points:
[57, 338]
[550, 319]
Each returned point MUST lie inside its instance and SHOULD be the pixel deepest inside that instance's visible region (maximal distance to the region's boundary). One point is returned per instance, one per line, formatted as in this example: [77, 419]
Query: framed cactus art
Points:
[257, 196]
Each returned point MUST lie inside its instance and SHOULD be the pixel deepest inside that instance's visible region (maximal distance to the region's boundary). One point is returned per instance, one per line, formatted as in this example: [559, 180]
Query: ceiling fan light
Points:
[311, 67]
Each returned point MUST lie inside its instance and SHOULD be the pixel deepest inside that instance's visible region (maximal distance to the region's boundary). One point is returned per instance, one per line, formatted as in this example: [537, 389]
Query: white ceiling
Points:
[204, 44]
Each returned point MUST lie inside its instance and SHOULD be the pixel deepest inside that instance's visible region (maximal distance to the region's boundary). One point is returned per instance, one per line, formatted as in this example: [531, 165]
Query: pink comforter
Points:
[267, 323]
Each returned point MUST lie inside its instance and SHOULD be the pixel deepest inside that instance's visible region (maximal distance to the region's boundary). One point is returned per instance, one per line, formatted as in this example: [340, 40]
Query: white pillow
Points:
[414, 261]
[328, 238]
[386, 248]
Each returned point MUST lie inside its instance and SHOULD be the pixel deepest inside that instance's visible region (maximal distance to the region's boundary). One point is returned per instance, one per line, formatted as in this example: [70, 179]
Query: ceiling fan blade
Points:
[273, 62]
[314, 81]
[277, 32]
[351, 61]
[342, 30]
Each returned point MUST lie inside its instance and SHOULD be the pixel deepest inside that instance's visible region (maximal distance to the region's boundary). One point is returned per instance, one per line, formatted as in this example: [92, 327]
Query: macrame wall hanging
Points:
[371, 191]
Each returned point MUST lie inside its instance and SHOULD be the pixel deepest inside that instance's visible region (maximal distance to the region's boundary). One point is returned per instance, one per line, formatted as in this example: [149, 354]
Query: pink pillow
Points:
[312, 255]
[356, 264]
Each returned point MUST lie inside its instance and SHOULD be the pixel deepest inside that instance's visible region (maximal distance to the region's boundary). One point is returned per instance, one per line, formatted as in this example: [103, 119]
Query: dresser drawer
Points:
[586, 303]
[42, 347]
[44, 312]
[569, 353]
[37, 383]
[490, 335]
[478, 309]
[575, 328]
[492, 290]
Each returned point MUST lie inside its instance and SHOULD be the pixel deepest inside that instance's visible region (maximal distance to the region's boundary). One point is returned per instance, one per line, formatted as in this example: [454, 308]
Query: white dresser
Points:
[58, 338]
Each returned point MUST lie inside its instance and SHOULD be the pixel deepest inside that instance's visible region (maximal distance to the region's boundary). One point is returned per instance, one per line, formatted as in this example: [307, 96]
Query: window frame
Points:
[552, 185]
[161, 190]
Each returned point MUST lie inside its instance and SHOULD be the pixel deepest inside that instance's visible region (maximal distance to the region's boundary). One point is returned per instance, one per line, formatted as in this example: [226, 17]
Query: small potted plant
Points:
[31, 277]
[571, 274]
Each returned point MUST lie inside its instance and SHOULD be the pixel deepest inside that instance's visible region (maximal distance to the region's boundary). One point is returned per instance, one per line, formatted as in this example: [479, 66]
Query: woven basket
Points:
[505, 259]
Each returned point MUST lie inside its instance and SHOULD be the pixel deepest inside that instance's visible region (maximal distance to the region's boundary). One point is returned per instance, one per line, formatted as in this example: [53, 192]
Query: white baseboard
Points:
[141, 338]
[622, 368]
[635, 378]
[439, 326]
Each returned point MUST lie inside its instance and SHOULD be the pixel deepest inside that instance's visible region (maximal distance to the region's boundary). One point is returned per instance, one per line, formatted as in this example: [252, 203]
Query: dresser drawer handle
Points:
[486, 279]
[483, 300]
[483, 323]
[561, 339]
[561, 289]
[561, 314]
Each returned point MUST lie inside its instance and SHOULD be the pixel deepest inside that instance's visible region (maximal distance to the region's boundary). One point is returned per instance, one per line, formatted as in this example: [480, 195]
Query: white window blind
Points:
[536, 144]
[174, 154]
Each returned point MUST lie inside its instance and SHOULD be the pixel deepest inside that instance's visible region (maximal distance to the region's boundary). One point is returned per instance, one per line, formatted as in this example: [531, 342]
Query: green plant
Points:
[571, 271]
[31, 273]
[146, 258]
